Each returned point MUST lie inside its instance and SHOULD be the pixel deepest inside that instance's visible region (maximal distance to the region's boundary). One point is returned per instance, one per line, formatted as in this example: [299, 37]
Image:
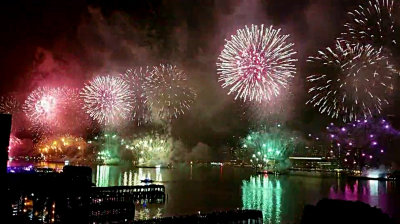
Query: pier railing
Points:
[151, 193]
[224, 217]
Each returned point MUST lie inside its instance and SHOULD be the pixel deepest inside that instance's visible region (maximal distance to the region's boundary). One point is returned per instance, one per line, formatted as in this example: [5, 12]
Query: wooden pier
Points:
[117, 204]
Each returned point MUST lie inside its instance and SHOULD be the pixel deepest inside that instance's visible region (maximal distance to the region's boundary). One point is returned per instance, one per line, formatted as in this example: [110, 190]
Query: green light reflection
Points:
[103, 176]
[265, 194]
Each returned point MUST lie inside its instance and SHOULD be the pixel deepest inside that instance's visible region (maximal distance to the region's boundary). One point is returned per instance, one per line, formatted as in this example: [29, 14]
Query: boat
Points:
[265, 172]
[147, 180]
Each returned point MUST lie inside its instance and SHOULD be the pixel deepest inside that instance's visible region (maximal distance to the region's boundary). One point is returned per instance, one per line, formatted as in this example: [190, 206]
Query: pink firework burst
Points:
[107, 99]
[53, 110]
[42, 106]
[256, 63]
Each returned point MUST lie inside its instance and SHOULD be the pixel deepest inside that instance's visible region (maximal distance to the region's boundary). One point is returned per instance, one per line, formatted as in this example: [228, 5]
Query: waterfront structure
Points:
[70, 197]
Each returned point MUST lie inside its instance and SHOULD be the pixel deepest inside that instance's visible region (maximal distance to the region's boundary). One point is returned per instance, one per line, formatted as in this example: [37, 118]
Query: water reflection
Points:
[372, 192]
[106, 176]
[265, 194]
[281, 198]
[144, 213]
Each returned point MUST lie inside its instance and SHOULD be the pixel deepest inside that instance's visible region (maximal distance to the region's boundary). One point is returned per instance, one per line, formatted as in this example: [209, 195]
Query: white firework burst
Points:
[351, 81]
[136, 78]
[43, 105]
[107, 99]
[372, 23]
[168, 91]
[256, 63]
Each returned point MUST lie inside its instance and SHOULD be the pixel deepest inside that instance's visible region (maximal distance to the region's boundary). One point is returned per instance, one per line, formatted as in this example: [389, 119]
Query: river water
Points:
[191, 189]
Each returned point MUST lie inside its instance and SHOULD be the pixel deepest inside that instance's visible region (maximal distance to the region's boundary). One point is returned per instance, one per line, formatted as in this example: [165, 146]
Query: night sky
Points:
[67, 42]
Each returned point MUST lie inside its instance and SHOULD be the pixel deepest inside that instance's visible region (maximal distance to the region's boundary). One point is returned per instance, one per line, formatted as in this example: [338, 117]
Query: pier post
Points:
[5, 130]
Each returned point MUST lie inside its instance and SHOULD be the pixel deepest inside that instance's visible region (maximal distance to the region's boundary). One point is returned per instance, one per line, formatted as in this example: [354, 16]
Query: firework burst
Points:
[372, 23]
[256, 63]
[43, 106]
[352, 81]
[54, 110]
[136, 79]
[168, 92]
[269, 144]
[14, 143]
[151, 148]
[107, 99]
[9, 105]
[61, 146]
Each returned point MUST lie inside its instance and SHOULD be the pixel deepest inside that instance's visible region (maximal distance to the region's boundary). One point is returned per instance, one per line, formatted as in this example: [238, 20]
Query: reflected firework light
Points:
[108, 100]
[264, 194]
[256, 63]
[371, 23]
[168, 91]
[351, 82]
[136, 78]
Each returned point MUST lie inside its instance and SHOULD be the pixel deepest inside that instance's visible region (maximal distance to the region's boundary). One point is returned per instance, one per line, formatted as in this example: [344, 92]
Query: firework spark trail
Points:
[9, 105]
[256, 63]
[353, 82]
[14, 142]
[372, 23]
[136, 79]
[107, 99]
[168, 91]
